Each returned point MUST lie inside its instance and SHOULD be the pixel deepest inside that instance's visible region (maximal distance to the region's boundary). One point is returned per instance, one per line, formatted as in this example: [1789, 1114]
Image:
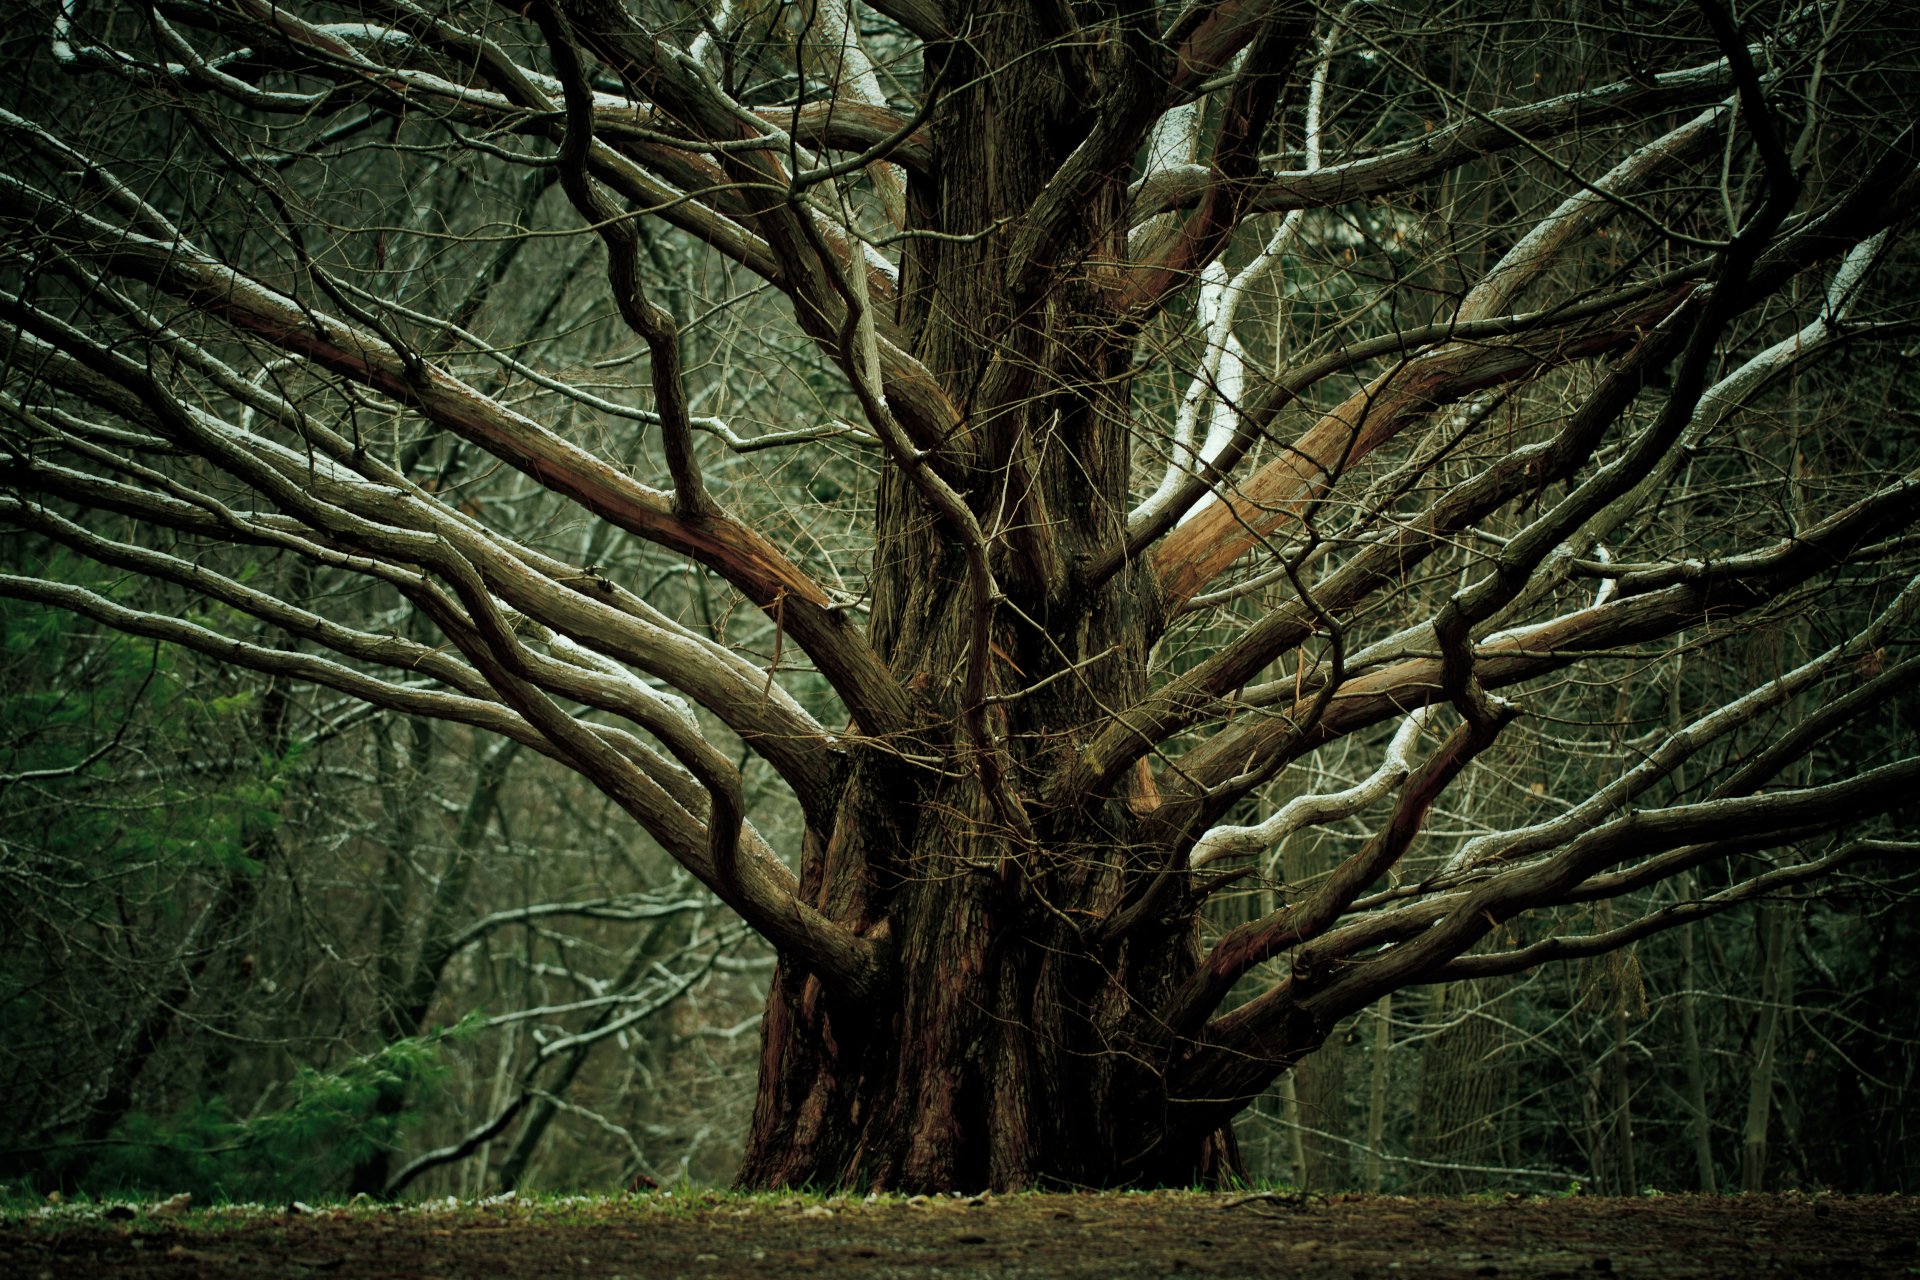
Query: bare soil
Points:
[1154, 1234]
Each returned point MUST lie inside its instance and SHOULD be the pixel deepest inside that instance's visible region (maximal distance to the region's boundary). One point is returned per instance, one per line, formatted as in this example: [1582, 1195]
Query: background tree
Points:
[1209, 515]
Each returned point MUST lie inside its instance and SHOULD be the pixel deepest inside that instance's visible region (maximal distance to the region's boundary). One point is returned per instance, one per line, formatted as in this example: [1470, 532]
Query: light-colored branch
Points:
[807, 611]
[743, 873]
[834, 41]
[1681, 745]
[1435, 363]
[627, 909]
[1317, 810]
[1756, 822]
[387, 517]
[1228, 524]
[1217, 388]
[1399, 167]
[1240, 949]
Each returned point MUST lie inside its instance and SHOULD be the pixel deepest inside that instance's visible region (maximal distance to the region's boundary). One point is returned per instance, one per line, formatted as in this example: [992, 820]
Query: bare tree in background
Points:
[1185, 430]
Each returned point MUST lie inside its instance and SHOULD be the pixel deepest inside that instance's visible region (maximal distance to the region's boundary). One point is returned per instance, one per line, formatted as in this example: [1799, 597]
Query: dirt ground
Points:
[1156, 1234]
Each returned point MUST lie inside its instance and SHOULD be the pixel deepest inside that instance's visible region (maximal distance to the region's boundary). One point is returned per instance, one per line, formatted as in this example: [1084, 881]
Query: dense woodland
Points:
[929, 595]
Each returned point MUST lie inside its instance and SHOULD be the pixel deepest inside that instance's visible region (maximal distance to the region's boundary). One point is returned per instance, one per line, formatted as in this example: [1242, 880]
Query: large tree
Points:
[1182, 428]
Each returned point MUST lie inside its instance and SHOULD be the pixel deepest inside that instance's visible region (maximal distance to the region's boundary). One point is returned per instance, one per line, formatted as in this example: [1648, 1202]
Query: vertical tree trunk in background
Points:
[1320, 1078]
[1320, 1082]
[1693, 1065]
[212, 933]
[1772, 923]
[408, 984]
[554, 1088]
[148, 1031]
[1288, 1089]
[1462, 1088]
[1623, 1102]
[1769, 1025]
[1693, 1061]
[401, 775]
[1596, 1133]
[1379, 1076]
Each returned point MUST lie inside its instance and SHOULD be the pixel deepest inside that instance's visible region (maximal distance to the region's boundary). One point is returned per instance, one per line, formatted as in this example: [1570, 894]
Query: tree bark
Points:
[1008, 1050]
[1775, 1000]
[1699, 1123]
[991, 969]
[1379, 1076]
[1288, 1087]
[1462, 1088]
[1623, 1103]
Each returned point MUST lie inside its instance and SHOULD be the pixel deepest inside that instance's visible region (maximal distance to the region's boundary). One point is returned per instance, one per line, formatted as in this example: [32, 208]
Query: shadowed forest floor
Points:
[1154, 1234]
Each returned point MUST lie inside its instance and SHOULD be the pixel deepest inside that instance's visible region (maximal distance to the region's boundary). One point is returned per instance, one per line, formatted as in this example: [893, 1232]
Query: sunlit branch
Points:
[1637, 835]
[1528, 652]
[1240, 949]
[1223, 367]
[1316, 810]
[1402, 166]
[1218, 532]
[1680, 746]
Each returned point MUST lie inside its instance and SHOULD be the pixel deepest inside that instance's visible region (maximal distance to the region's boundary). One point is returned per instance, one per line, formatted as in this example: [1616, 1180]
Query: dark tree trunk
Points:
[1010, 1051]
[1008, 1054]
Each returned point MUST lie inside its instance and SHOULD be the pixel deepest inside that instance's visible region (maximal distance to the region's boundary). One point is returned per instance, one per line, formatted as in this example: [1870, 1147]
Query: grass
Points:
[22, 1207]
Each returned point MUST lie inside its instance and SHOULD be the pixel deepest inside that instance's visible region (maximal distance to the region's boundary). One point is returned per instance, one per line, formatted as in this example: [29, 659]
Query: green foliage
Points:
[138, 788]
[302, 1150]
[75, 704]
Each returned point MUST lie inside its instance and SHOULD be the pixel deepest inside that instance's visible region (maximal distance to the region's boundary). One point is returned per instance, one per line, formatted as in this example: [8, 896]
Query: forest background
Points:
[263, 936]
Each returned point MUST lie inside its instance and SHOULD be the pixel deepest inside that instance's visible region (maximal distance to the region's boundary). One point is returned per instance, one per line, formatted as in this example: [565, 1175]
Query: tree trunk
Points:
[1380, 1074]
[1320, 1078]
[1008, 1051]
[213, 933]
[1462, 1088]
[1320, 1085]
[1774, 1001]
[1288, 1087]
[1006, 1057]
[1623, 1103]
[553, 1090]
[407, 991]
[1694, 1062]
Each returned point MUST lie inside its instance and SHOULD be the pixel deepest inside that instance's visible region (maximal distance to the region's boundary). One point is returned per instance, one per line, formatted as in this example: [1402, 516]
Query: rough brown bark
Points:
[1007, 1050]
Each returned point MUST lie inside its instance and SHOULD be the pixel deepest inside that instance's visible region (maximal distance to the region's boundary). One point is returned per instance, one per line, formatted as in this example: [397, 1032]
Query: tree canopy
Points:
[1113, 536]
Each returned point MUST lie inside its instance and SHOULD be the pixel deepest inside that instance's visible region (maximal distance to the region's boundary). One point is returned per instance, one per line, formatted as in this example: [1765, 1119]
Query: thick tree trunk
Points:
[1008, 1054]
[1010, 1051]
